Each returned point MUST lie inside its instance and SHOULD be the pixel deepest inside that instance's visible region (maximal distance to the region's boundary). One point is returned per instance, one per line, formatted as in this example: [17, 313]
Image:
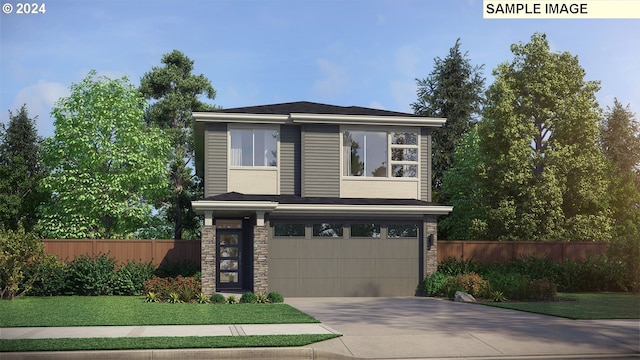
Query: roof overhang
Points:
[304, 118]
[236, 207]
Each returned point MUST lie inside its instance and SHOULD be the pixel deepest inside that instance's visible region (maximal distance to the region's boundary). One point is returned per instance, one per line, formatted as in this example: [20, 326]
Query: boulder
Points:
[462, 296]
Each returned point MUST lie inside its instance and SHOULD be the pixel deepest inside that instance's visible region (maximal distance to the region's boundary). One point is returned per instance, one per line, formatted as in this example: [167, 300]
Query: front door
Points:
[229, 245]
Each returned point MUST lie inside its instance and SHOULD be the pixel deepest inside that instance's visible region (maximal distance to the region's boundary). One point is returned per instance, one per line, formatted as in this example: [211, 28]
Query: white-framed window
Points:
[376, 153]
[253, 147]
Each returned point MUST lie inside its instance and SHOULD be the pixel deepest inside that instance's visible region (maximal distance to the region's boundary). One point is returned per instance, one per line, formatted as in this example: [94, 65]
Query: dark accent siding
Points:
[425, 165]
[290, 160]
[320, 160]
[215, 181]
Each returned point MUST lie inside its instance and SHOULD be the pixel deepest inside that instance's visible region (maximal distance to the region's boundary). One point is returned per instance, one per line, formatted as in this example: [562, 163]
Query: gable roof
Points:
[308, 107]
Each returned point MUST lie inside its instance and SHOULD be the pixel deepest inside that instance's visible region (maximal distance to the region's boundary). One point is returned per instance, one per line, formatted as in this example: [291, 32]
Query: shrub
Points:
[184, 268]
[454, 266]
[17, 249]
[232, 299]
[471, 283]
[248, 298]
[542, 289]
[186, 288]
[433, 284]
[275, 297]
[202, 299]
[49, 276]
[131, 277]
[151, 297]
[174, 298]
[92, 275]
[262, 298]
[217, 298]
[513, 285]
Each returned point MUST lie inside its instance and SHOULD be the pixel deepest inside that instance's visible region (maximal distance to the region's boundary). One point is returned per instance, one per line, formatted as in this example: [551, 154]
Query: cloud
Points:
[334, 80]
[40, 98]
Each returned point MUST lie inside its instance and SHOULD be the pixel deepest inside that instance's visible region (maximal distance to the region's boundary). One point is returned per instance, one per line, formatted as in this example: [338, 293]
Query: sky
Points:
[340, 52]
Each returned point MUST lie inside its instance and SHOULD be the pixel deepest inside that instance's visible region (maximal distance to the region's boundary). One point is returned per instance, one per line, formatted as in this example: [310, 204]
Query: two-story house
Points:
[310, 199]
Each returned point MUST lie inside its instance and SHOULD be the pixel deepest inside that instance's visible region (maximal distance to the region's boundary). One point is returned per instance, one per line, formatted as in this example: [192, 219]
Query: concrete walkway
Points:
[381, 328]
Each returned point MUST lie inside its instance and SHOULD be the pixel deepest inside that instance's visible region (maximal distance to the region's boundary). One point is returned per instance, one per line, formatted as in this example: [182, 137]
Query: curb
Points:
[154, 354]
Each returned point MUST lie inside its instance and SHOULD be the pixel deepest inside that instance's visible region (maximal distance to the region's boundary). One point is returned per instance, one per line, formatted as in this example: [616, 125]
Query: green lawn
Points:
[132, 310]
[160, 342]
[583, 306]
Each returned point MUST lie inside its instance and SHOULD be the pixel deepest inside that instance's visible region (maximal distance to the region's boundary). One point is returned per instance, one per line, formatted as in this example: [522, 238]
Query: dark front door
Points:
[228, 267]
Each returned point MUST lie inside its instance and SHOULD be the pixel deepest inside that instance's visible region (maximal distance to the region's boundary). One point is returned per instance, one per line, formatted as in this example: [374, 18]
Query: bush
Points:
[49, 276]
[184, 268]
[185, 288]
[218, 298]
[17, 249]
[433, 284]
[262, 298]
[275, 297]
[248, 298]
[232, 299]
[92, 275]
[542, 289]
[131, 277]
[471, 283]
[514, 286]
[454, 266]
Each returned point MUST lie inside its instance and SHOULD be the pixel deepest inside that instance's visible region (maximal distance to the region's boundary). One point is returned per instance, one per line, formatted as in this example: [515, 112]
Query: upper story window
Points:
[369, 153]
[253, 147]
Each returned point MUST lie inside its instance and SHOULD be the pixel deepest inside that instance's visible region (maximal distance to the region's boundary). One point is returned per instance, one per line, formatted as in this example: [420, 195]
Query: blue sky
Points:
[347, 52]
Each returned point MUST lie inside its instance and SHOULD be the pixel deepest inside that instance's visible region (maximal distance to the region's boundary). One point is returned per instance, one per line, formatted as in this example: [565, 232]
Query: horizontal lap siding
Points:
[343, 267]
[215, 181]
[320, 160]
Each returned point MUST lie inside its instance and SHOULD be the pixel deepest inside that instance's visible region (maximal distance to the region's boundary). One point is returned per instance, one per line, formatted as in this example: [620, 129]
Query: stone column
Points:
[208, 258]
[260, 259]
[430, 225]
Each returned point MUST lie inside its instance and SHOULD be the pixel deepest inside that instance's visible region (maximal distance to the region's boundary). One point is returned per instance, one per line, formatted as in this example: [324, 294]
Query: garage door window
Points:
[365, 230]
[402, 231]
[288, 230]
[327, 230]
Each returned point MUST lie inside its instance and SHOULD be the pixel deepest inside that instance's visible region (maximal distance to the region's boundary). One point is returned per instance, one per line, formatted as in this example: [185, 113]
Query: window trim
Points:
[390, 147]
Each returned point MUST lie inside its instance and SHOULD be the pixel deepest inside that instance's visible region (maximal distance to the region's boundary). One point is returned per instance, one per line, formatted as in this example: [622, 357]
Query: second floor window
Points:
[253, 147]
[369, 153]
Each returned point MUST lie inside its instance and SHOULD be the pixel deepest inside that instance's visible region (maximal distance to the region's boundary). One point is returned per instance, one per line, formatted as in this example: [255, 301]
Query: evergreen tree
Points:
[546, 177]
[20, 171]
[175, 92]
[453, 90]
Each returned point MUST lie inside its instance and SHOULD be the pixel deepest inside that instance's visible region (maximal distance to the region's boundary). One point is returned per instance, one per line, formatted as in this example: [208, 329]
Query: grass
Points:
[136, 343]
[132, 310]
[583, 306]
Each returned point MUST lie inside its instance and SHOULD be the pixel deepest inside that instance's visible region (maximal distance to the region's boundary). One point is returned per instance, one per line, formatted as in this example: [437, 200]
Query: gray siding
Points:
[320, 160]
[290, 160]
[425, 165]
[215, 142]
[344, 267]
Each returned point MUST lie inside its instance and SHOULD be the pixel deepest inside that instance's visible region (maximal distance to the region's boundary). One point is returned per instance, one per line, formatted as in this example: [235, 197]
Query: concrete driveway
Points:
[418, 327]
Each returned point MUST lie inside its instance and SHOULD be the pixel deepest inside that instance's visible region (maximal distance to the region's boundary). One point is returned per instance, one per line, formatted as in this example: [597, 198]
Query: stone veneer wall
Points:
[208, 257]
[431, 251]
[260, 258]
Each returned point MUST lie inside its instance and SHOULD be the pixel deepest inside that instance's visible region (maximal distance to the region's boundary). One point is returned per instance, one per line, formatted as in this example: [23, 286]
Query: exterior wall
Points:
[208, 264]
[425, 164]
[290, 155]
[389, 188]
[261, 258]
[320, 160]
[215, 142]
[259, 181]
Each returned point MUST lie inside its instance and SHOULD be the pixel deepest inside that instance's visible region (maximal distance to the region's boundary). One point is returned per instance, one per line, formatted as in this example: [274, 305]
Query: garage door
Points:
[326, 266]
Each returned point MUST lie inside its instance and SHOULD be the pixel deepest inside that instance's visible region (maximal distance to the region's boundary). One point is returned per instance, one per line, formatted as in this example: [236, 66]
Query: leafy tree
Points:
[176, 92]
[620, 142]
[20, 171]
[104, 164]
[453, 90]
[463, 184]
[546, 177]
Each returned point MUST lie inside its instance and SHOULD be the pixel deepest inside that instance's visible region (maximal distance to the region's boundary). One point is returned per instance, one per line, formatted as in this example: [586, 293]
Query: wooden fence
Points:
[502, 251]
[160, 251]
[157, 251]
